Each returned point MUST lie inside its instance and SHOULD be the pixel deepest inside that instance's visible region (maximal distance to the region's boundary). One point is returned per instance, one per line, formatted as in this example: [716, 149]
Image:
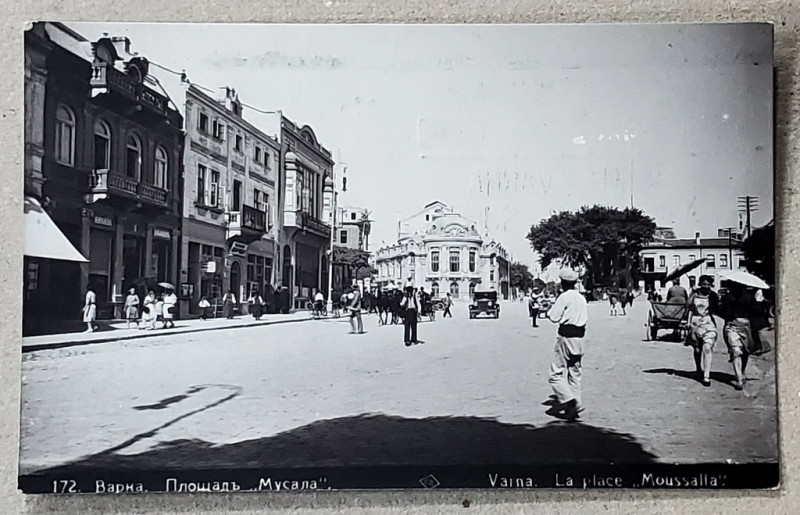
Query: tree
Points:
[759, 252]
[354, 260]
[521, 278]
[604, 241]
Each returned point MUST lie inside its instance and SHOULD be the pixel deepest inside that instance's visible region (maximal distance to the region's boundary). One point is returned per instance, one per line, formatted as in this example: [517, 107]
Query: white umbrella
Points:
[742, 277]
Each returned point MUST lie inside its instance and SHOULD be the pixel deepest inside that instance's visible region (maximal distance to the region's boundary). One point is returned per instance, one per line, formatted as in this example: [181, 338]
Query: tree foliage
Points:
[759, 253]
[521, 277]
[354, 259]
[599, 239]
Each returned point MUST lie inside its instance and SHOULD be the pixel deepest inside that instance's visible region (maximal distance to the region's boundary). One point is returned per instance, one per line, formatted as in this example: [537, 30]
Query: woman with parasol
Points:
[738, 307]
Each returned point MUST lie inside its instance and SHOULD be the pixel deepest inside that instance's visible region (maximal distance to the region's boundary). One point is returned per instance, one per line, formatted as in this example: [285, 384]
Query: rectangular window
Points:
[237, 195]
[258, 199]
[257, 154]
[65, 135]
[201, 184]
[662, 261]
[267, 160]
[352, 216]
[434, 260]
[218, 130]
[455, 263]
[723, 261]
[238, 143]
[676, 261]
[471, 260]
[202, 123]
[102, 154]
[491, 275]
[343, 237]
[214, 190]
[711, 261]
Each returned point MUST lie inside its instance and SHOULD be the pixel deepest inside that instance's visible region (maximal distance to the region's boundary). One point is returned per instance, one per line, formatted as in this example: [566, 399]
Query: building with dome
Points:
[443, 251]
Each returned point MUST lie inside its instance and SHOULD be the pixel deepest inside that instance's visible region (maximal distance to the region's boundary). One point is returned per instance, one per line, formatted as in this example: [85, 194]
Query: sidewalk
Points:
[116, 331]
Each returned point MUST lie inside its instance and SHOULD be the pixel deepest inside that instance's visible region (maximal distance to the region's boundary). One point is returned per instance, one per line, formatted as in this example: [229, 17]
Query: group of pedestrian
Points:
[154, 309]
[741, 311]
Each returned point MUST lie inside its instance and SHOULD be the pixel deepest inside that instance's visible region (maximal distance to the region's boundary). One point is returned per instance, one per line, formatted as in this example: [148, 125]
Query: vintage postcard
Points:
[324, 257]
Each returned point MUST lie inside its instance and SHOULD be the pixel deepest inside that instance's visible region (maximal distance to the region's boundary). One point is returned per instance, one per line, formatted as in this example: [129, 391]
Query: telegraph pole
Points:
[747, 204]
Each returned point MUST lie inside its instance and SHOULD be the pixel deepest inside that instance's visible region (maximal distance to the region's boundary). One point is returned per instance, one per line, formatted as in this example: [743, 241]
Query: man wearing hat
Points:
[570, 313]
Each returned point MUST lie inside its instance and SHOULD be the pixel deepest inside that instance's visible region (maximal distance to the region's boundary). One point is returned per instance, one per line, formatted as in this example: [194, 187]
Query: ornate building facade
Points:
[103, 154]
[229, 229]
[442, 251]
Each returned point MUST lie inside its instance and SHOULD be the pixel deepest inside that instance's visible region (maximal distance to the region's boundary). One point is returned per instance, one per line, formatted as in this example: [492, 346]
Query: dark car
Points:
[484, 302]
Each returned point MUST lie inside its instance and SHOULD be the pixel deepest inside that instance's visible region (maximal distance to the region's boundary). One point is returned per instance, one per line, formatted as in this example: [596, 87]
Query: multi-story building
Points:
[306, 211]
[667, 252]
[353, 228]
[442, 251]
[103, 153]
[229, 230]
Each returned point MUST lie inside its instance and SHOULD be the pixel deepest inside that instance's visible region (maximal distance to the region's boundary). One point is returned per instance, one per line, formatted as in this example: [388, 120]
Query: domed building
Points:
[443, 251]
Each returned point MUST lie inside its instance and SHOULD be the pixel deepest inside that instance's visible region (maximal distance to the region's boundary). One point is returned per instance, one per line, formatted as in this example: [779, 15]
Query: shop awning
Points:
[43, 238]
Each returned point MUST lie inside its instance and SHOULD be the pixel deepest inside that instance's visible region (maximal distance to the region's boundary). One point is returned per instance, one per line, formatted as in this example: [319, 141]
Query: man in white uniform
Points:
[571, 314]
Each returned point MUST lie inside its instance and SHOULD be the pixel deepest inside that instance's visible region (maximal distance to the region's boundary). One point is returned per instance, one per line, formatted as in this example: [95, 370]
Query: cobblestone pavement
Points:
[314, 390]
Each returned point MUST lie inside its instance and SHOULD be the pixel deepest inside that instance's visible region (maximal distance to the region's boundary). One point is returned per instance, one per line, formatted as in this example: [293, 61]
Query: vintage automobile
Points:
[484, 302]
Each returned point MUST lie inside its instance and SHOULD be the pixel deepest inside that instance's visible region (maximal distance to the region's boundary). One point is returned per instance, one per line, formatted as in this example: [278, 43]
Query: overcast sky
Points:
[506, 123]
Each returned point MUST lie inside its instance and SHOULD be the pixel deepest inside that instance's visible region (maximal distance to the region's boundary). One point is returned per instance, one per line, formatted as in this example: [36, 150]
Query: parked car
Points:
[484, 302]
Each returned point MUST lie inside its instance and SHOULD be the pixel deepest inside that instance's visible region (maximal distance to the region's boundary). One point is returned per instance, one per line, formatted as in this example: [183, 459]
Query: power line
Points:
[184, 78]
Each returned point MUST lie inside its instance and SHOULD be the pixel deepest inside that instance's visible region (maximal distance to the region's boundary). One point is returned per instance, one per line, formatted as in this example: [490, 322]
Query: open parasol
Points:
[684, 269]
[742, 277]
[167, 286]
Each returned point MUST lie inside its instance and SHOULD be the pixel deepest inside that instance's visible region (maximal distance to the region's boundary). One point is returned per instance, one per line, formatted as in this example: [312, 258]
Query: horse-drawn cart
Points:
[664, 315]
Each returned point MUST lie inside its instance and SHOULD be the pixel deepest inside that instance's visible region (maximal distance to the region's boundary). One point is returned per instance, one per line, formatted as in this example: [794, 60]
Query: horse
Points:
[389, 303]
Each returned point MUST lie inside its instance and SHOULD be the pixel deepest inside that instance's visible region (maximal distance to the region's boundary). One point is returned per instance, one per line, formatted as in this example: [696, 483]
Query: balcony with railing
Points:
[248, 224]
[106, 76]
[104, 183]
[305, 221]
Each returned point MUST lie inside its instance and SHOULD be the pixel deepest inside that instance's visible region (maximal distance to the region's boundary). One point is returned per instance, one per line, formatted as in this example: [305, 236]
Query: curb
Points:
[75, 343]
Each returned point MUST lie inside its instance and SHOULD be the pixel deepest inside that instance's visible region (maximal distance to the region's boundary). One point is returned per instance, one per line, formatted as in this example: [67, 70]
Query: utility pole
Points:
[729, 230]
[747, 204]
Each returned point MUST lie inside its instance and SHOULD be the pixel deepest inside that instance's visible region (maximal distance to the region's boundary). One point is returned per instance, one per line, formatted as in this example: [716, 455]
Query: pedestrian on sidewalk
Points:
[623, 301]
[256, 305]
[571, 314]
[170, 306]
[448, 303]
[90, 309]
[703, 306]
[204, 305]
[409, 307]
[228, 301]
[149, 312]
[160, 311]
[132, 308]
[355, 311]
[737, 307]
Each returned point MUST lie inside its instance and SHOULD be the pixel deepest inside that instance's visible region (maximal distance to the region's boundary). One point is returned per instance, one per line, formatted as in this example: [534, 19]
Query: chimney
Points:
[697, 238]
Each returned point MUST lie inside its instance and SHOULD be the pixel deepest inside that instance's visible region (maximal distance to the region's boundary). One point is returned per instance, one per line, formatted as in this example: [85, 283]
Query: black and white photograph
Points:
[294, 257]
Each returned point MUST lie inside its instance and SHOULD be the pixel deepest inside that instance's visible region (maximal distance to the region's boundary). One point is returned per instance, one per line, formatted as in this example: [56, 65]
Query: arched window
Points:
[102, 146]
[65, 135]
[454, 289]
[162, 167]
[133, 161]
[435, 290]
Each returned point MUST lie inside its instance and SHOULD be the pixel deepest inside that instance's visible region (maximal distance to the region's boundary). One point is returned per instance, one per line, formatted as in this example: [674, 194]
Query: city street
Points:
[310, 394]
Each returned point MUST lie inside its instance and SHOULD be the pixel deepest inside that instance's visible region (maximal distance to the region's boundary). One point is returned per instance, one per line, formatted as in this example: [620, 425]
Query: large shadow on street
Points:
[382, 440]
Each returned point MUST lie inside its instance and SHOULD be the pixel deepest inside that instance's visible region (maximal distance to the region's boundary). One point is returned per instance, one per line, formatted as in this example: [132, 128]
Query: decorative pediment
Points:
[455, 231]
